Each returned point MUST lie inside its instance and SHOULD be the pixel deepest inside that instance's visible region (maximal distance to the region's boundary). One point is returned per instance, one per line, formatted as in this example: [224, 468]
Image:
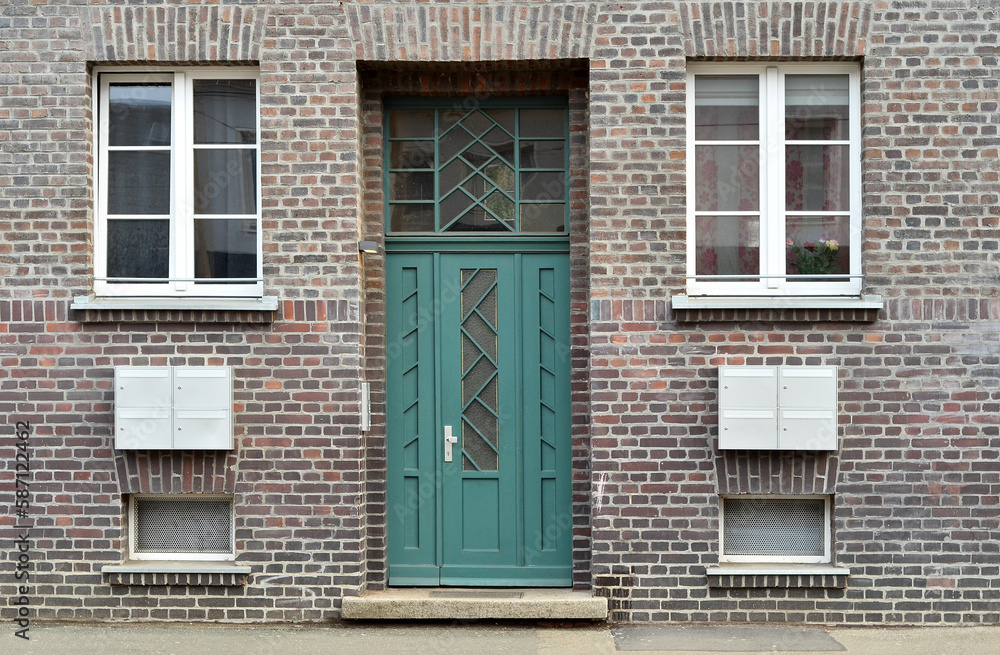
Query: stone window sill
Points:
[150, 573]
[864, 308]
[782, 576]
[167, 309]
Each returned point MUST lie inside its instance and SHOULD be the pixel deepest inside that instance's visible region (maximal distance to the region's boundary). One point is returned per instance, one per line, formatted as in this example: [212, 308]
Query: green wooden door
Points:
[478, 347]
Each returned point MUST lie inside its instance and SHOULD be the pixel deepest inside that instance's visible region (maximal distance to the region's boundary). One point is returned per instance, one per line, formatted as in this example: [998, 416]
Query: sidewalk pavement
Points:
[491, 638]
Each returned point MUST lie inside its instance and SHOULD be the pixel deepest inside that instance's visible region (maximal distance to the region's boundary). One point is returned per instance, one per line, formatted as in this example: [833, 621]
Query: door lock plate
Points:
[449, 441]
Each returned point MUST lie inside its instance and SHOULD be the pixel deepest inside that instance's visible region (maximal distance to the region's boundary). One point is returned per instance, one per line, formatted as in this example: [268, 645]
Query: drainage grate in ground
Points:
[475, 595]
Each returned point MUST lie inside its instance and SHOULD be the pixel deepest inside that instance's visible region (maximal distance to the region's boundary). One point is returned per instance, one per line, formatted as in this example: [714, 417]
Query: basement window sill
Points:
[783, 576]
[149, 573]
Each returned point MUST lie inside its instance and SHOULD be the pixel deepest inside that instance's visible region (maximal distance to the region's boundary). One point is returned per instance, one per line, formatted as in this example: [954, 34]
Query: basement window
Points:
[771, 529]
[181, 528]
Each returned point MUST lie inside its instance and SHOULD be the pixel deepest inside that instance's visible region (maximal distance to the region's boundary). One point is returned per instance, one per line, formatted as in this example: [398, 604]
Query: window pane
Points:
[817, 178]
[817, 107]
[411, 124]
[477, 220]
[453, 143]
[501, 175]
[411, 154]
[225, 111]
[727, 245]
[225, 248]
[501, 143]
[542, 123]
[453, 206]
[501, 206]
[726, 107]
[727, 178]
[225, 182]
[411, 218]
[139, 114]
[543, 186]
[543, 218]
[139, 248]
[543, 154]
[411, 186]
[818, 244]
[504, 117]
[138, 182]
[453, 175]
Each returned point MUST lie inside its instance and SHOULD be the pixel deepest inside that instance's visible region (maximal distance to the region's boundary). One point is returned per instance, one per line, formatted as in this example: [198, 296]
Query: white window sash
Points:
[181, 281]
[773, 280]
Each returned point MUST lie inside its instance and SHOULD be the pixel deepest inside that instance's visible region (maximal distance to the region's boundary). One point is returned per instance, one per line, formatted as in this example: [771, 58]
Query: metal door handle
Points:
[449, 440]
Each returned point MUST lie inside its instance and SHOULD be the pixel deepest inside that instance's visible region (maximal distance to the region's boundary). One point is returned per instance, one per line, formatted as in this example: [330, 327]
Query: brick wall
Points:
[916, 482]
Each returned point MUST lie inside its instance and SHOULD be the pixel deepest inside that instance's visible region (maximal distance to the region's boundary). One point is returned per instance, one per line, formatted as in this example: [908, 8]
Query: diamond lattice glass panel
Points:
[501, 143]
[774, 526]
[479, 292]
[480, 424]
[477, 123]
[477, 187]
[453, 174]
[501, 206]
[478, 181]
[453, 206]
[477, 220]
[479, 429]
[501, 175]
[180, 525]
[477, 154]
[452, 143]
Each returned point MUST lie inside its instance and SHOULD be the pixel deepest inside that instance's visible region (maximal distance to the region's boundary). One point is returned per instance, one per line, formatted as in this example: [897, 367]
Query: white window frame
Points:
[168, 556]
[772, 196]
[825, 558]
[181, 273]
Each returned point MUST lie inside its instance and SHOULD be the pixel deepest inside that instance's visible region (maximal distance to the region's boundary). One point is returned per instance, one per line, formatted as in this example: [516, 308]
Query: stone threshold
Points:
[465, 603]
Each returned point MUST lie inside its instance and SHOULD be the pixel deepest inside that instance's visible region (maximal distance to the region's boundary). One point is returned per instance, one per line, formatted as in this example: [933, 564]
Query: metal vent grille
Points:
[774, 526]
[183, 525]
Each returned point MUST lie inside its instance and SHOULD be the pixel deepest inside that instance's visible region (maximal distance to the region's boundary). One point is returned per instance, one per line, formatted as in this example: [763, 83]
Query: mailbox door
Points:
[748, 429]
[142, 428]
[751, 387]
[807, 387]
[202, 429]
[142, 386]
[202, 387]
[807, 429]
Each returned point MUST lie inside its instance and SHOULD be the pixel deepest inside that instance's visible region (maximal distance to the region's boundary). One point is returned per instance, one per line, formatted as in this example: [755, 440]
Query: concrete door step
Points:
[454, 603]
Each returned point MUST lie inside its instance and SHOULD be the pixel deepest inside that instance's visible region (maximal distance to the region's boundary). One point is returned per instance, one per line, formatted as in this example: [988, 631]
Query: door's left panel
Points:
[411, 420]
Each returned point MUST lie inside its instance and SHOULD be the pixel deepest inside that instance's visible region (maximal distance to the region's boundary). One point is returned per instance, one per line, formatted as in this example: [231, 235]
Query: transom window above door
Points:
[460, 166]
[774, 179]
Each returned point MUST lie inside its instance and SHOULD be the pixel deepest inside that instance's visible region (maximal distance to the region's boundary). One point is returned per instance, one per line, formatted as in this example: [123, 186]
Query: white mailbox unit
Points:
[173, 408]
[778, 407]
